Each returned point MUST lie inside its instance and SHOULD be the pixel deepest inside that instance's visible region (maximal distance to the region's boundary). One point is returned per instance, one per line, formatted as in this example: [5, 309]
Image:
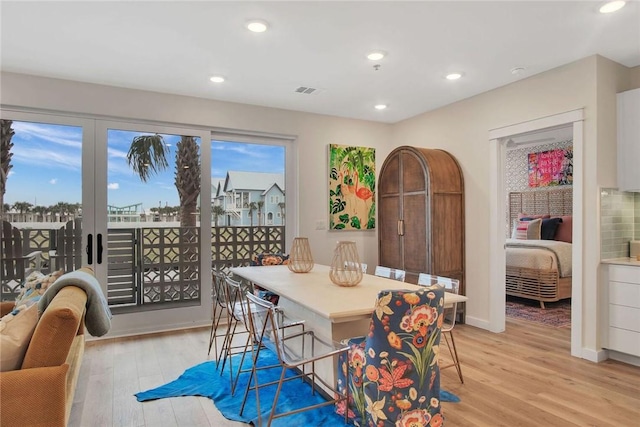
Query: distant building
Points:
[239, 189]
[131, 213]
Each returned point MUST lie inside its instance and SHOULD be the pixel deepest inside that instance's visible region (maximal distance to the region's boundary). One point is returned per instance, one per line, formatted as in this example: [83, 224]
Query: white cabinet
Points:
[624, 309]
[629, 140]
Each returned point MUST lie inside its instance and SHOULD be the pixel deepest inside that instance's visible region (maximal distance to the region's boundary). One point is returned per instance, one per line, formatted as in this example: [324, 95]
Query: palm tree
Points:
[62, 209]
[5, 158]
[217, 211]
[188, 179]
[252, 207]
[148, 156]
[22, 207]
[40, 212]
[260, 206]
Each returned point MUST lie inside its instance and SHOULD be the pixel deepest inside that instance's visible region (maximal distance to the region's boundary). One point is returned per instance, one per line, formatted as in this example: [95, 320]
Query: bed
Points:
[536, 268]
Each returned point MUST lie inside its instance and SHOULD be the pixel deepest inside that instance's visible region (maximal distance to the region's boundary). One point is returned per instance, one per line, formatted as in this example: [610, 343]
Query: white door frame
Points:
[497, 146]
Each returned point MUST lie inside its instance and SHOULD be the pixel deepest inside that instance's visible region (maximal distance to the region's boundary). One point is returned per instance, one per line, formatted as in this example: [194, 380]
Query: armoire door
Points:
[414, 216]
[389, 209]
[421, 213]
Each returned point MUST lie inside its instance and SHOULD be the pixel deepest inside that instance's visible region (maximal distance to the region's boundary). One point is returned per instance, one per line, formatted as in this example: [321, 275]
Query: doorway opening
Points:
[538, 182]
[499, 139]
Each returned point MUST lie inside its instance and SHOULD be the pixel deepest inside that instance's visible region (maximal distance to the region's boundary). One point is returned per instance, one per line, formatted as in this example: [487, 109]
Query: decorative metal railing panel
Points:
[170, 264]
[158, 265]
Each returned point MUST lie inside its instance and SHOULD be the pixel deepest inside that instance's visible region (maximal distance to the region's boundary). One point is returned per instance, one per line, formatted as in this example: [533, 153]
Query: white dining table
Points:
[331, 311]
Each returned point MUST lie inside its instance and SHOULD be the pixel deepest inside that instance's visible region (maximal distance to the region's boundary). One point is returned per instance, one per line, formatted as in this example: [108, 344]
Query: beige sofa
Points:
[41, 392]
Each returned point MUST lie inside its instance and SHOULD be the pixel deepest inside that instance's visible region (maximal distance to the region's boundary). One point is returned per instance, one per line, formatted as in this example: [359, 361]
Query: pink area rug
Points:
[556, 314]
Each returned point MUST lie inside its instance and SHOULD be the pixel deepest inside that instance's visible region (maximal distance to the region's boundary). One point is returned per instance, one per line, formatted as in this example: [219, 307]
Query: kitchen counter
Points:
[622, 261]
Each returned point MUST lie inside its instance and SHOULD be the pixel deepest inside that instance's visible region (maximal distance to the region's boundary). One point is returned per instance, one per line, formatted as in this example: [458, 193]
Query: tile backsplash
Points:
[619, 222]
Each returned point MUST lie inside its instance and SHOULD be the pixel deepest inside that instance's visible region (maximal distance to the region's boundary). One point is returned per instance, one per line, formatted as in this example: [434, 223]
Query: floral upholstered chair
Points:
[393, 374]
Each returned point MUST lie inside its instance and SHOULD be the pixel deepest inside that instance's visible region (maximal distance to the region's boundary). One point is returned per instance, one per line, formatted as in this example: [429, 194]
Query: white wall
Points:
[314, 132]
[461, 128]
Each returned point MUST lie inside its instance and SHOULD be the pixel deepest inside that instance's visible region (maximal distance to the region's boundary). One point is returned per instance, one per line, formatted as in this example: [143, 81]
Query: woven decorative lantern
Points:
[345, 267]
[300, 259]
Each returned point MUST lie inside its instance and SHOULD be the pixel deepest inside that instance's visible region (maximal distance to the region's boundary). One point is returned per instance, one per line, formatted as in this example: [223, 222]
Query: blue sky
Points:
[47, 166]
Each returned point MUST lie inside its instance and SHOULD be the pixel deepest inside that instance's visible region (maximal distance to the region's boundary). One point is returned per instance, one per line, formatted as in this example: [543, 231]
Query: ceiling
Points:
[174, 47]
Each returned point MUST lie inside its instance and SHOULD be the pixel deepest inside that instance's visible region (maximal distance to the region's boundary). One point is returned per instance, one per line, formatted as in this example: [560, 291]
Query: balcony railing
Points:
[153, 266]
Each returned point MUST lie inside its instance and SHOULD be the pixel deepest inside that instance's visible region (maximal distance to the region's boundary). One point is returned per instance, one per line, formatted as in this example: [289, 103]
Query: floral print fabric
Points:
[268, 259]
[394, 379]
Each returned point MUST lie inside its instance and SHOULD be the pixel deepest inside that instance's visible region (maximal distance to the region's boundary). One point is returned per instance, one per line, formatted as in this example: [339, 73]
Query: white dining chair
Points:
[390, 273]
[362, 265]
[452, 286]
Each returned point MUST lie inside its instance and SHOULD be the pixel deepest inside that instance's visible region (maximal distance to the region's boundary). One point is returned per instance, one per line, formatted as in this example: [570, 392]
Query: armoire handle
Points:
[400, 227]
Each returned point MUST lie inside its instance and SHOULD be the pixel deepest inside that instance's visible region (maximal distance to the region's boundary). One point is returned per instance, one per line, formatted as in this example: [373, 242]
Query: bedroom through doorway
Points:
[538, 184]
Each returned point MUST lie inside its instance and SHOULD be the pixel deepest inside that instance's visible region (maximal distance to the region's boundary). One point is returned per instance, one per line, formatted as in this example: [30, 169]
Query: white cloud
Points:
[53, 181]
[113, 186]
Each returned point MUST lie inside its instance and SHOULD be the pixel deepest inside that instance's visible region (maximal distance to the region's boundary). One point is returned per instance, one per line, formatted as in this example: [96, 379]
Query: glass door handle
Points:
[100, 248]
[89, 249]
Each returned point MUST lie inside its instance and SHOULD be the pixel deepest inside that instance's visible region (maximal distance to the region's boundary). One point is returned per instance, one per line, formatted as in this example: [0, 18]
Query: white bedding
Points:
[539, 254]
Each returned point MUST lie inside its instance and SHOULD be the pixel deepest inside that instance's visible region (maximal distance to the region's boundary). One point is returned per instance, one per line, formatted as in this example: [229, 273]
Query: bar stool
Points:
[390, 273]
[452, 286]
[236, 307]
[294, 351]
[219, 310]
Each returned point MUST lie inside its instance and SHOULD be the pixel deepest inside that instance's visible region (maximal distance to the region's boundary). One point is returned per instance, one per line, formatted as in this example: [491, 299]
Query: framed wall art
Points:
[352, 187]
[552, 167]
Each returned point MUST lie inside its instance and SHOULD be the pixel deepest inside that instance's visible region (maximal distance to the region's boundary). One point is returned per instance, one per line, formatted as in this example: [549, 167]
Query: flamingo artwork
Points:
[363, 193]
[348, 192]
[351, 187]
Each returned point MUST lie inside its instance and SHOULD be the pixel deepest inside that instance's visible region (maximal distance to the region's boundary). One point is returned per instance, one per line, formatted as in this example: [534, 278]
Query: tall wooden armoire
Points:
[421, 214]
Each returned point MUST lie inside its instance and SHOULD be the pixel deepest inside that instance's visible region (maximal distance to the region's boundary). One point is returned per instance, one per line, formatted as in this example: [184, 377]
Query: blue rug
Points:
[205, 380]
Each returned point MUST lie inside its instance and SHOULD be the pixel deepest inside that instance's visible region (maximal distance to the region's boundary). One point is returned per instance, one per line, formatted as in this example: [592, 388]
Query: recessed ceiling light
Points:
[257, 26]
[380, 107]
[217, 79]
[453, 76]
[376, 55]
[612, 6]
[517, 71]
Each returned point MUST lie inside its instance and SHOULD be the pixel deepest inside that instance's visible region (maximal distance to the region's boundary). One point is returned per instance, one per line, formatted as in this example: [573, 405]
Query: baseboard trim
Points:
[596, 356]
[623, 357]
[149, 331]
[479, 323]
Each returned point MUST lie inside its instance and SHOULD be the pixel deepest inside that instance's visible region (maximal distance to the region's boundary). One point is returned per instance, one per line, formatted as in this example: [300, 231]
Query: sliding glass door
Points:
[47, 202]
[151, 190]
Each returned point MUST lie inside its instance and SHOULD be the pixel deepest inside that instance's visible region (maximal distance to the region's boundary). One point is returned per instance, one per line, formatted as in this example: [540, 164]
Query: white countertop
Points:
[622, 261]
[316, 292]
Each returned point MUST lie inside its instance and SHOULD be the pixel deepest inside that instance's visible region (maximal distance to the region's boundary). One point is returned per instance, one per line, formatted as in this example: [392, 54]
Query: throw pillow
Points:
[35, 285]
[16, 329]
[565, 230]
[549, 228]
[270, 259]
[527, 230]
[523, 215]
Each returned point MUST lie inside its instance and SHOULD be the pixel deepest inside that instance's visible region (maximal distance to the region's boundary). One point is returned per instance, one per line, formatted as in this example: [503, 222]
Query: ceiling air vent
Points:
[305, 90]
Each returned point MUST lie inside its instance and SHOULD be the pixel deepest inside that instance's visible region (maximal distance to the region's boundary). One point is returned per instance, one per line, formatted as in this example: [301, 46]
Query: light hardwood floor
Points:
[523, 377]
